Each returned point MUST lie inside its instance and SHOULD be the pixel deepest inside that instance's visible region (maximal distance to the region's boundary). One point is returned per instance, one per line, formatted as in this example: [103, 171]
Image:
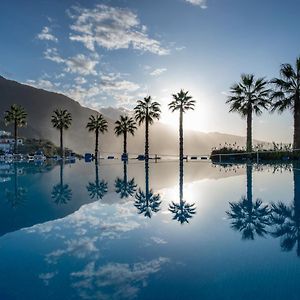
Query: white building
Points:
[7, 142]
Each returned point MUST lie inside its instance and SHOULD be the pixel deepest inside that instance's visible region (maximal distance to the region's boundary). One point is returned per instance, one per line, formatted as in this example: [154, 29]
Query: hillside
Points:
[40, 104]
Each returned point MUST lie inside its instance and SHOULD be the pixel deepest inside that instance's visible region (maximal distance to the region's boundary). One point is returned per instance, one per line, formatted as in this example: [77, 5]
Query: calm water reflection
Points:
[106, 231]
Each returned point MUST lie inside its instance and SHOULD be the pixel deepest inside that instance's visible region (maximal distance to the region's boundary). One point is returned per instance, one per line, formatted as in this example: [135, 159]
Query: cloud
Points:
[46, 35]
[111, 28]
[201, 3]
[158, 72]
[78, 64]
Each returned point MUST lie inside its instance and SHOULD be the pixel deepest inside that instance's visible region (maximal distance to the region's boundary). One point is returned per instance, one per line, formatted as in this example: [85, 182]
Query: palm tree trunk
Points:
[249, 130]
[16, 137]
[147, 180]
[147, 138]
[61, 143]
[96, 172]
[125, 143]
[96, 144]
[61, 174]
[296, 176]
[296, 142]
[125, 171]
[181, 155]
[249, 183]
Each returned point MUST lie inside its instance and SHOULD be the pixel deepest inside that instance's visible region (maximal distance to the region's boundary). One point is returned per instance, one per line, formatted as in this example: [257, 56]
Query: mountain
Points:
[40, 104]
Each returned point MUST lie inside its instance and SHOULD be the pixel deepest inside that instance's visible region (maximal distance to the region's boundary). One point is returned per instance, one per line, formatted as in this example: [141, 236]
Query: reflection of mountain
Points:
[286, 218]
[147, 202]
[40, 104]
[248, 217]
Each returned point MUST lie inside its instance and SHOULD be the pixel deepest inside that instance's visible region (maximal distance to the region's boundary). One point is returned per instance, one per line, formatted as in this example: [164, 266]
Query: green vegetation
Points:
[16, 116]
[97, 124]
[61, 120]
[123, 126]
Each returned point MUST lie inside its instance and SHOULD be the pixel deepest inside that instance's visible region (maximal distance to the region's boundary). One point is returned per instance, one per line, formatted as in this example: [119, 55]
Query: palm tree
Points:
[287, 95]
[182, 102]
[182, 211]
[247, 216]
[97, 124]
[61, 193]
[97, 189]
[61, 120]
[17, 116]
[123, 126]
[125, 187]
[248, 97]
[147, 202]
[286, 218]
[146, 112]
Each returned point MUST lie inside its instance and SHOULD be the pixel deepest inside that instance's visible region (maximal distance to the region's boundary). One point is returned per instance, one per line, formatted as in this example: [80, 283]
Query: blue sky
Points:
[111, 53]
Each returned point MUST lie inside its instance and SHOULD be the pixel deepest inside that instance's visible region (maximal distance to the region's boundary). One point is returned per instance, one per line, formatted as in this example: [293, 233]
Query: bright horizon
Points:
[112, 53]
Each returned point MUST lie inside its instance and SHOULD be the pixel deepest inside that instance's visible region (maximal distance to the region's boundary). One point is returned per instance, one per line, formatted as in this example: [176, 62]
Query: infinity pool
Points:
[115, 231]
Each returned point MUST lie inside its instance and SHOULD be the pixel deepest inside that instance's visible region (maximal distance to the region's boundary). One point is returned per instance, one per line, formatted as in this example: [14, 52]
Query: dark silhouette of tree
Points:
[146, 112]
[61, 193]
[183, 211]
[125, 187]
[16, 196]
[147, 202]
[247, 97]
[98, 188]
[16, 116]
[97, 124]
[124, 126]
[61, 120]
[287, 95]
[248, 217]
[286, 218]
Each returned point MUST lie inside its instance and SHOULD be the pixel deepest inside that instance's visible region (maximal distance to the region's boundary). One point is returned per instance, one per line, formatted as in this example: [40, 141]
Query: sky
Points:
[111, 53]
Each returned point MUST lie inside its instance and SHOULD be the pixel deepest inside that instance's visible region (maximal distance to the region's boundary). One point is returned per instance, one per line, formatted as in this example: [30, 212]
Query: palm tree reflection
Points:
[61, 193]
[248, 217]
[286, 219]
[125, 187]
[182, 211]
[147, 202]
[97, 189]
[16, 196]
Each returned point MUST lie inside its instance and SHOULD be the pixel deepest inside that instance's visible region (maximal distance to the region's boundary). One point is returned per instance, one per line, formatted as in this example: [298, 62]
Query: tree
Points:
[146, 112]
[287, 95]
[61, 120]
[16, 116]
[247, 97]
[123, 126]
[97, 124]
[182, 102]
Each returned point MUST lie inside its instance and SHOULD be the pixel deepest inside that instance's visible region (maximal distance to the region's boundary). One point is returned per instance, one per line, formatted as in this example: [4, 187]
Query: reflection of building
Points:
[7, 142]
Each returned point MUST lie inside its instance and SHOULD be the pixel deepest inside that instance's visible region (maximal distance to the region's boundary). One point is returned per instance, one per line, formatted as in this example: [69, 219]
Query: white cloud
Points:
[46, 34]
[41, 84]
[112, 28]
[201, 3]
[78, 64]
[158, 72]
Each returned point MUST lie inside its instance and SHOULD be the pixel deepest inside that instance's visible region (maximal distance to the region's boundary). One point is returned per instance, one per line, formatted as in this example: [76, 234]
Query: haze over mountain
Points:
[40, 104]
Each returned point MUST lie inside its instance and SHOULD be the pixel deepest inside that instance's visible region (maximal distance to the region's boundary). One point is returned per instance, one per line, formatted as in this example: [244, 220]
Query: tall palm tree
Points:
[286, 218]
[16, 116]
[249, 217]
[182, 102]
[287, 95]
[247, 97]
[123, 126]
[182, 211]
[61, 120]
[98, 188]
[61, 193]
[97, 124]
[125, 187]
[147, 202]
[146, 112]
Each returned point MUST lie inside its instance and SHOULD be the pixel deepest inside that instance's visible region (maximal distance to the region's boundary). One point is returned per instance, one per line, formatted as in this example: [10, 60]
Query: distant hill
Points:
[40, 104]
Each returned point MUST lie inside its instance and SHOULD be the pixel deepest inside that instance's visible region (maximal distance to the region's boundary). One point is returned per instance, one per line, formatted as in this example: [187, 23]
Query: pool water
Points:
[136, 231]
